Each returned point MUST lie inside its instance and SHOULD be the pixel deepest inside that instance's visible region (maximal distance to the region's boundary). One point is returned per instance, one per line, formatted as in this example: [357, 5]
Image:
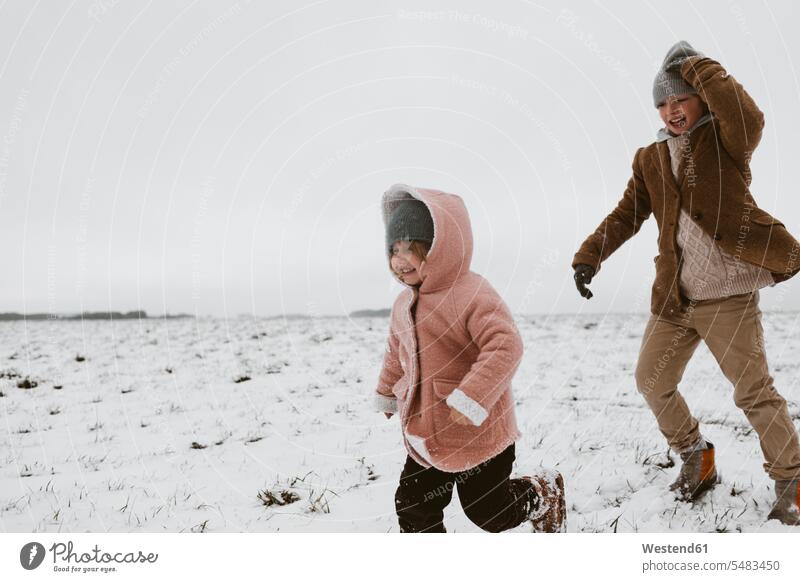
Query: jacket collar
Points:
[664, 168]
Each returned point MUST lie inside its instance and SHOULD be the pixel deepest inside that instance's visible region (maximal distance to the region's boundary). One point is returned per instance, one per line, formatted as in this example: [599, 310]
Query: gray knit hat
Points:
[410, 220]
[668, 80]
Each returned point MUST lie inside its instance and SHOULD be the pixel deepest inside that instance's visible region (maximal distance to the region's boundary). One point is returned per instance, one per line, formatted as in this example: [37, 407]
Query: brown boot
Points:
[549, 507]
[787, 503]
[698, 474]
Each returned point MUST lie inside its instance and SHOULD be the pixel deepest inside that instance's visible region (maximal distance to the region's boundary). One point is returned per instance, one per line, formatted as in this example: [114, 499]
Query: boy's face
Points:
[405, 263]
[680, 112]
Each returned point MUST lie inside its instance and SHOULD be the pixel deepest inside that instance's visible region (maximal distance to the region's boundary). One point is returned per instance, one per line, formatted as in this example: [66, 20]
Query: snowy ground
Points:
[152, 431]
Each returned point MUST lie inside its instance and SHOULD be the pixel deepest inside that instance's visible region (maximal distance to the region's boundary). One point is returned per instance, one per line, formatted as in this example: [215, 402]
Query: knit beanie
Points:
[668, 80]
[410, 220]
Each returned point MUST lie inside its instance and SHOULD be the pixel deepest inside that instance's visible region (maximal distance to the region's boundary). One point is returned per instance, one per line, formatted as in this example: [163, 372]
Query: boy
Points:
[716, 250]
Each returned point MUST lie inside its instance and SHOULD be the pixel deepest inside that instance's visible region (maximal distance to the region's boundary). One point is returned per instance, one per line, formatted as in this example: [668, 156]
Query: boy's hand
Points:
[459, 418]
[388, 414]
[583, 277]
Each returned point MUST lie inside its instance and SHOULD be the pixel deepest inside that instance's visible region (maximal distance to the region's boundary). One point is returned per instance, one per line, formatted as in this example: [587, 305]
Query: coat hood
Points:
[451, 251]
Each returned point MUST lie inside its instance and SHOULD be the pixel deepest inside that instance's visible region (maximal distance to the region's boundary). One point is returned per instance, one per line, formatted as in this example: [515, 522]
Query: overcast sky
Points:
[229, 158]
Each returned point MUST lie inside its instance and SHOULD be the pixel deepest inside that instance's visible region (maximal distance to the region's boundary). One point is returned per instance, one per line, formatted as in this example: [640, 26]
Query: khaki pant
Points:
[731, 328]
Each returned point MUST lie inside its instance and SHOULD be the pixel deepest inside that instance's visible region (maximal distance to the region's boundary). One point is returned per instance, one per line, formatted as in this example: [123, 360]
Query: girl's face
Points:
[405, 263]
[680, 112]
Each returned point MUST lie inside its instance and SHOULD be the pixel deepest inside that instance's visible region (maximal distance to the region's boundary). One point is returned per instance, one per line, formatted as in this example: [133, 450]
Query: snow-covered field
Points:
[159, 429]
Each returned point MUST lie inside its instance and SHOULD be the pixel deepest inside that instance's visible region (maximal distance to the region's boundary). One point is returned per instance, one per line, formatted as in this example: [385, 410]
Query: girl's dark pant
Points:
[490, 499]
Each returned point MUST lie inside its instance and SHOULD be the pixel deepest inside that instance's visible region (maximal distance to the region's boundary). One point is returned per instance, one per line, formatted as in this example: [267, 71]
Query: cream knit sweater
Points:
[708, 272]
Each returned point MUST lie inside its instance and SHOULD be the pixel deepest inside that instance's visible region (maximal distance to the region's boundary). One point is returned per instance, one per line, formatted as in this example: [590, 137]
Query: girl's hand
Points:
[459, 418]
[388, 414]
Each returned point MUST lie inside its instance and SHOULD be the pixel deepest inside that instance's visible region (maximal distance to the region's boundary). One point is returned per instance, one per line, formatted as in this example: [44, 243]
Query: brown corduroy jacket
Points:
[713, 190]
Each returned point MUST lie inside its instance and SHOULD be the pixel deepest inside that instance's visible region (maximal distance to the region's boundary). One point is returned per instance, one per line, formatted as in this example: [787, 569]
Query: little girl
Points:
[452, 351]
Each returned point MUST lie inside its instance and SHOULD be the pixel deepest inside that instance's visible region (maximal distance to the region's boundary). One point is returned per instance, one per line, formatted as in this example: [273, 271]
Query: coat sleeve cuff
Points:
[467, 406]
[688, 70]
[586, 259]
[383, 403]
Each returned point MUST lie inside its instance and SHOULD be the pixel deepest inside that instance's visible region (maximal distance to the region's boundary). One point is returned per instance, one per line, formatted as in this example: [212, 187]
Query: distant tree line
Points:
[86, 315]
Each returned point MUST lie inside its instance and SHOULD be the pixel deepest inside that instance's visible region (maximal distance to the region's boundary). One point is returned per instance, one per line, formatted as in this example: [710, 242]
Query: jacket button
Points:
[717, 236]
[697, 215]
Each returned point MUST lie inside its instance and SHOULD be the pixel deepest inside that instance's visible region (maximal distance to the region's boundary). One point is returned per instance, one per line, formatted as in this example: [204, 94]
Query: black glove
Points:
[583, 276]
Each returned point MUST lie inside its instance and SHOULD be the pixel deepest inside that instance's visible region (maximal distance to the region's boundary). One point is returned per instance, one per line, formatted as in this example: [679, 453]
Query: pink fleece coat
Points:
[458, 349]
